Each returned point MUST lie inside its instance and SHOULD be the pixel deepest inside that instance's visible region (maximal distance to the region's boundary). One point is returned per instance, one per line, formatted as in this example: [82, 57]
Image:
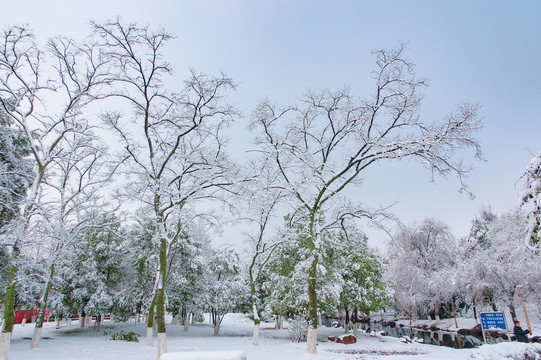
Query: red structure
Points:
[30, 315]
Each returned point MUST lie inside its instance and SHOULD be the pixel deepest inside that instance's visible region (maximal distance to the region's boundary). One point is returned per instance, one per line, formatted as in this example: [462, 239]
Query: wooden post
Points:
[456, 324]
[524, 307]
[454, 313]
[411, 327]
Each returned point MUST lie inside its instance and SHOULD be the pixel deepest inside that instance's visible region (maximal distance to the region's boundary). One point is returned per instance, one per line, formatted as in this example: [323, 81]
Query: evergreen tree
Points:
[94, 282]
[15, 170]
[225, 287]
[364, 288]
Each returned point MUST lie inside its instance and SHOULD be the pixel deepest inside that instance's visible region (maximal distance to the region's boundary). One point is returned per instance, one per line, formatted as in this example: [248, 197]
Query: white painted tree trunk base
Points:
[311, 341]
[5, 340]
[162, 344]
[36, 337]
[255, 340]
[149, 336]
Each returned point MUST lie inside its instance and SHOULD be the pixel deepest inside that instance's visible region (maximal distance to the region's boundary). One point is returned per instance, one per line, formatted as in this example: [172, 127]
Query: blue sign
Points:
[493, 321]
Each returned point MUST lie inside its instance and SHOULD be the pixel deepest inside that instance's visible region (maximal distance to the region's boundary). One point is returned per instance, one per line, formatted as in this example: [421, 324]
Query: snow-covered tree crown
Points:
[531, 194]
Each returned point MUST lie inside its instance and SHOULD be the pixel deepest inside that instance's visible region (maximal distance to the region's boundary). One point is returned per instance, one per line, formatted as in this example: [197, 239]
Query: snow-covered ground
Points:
[74, 343]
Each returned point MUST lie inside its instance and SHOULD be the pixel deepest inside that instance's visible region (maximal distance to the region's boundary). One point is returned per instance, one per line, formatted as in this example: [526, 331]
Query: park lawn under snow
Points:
[74, 343]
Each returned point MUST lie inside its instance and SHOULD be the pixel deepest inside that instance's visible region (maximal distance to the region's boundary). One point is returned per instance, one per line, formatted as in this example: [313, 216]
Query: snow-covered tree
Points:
[185, 282]
[15, 177]
[423, 267]
[531, 194]
[15, 169]
[508, 262]
[142, 263]
[262, 241]
[172, 141]
[287, 272]
[362, 271]
[323, 146]
[70, 197]
[44, 101]
[225, 286]
[473, 279]
[92, 283]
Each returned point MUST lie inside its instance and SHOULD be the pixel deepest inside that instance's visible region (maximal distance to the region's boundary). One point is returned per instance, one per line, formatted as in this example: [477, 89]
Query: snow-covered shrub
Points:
[122, 335]
[298, 328]
[507, 350]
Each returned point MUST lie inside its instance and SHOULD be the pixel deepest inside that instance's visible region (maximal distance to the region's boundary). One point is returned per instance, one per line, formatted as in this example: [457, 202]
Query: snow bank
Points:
[204, 355]
[506, 351]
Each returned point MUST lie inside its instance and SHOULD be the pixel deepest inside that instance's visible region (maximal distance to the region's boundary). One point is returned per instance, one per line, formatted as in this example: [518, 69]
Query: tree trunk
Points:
[185, 315]
[162, 344]
[5, 340]
[160, 300]
[138, 311]
[9, 306]
[311, 341]
[255, 314]
[97, 322]
[216, 322]
[187, 323]
[513, 313]
[186, 318]
[437, 312]
[82, 318]
[255, 339]
[475, 313]
[346, 321]
[23, 323]
[36, 336]
[150, 336]
[355, 322]
[42, 308]
[150, 322]
[312, 306]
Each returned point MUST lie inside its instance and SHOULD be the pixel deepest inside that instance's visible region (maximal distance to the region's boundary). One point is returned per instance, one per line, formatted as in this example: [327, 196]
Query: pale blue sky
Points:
[487, 52]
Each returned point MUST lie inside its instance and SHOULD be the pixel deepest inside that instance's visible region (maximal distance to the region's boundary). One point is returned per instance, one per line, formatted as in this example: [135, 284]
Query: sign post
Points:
[493, 321]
